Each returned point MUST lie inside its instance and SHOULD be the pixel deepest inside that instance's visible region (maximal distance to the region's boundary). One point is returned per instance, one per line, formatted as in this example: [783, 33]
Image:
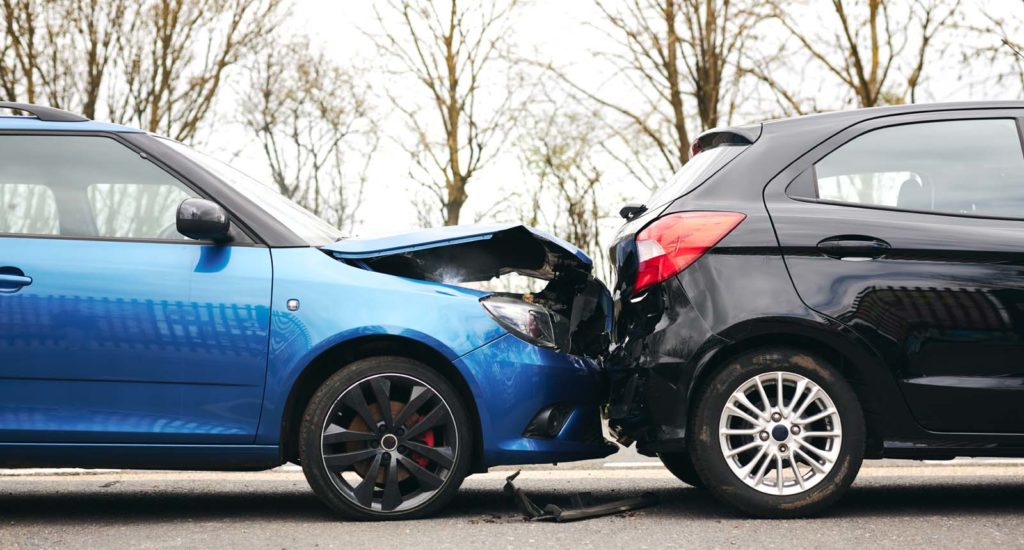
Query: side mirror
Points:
[631, 211]
[203, 220]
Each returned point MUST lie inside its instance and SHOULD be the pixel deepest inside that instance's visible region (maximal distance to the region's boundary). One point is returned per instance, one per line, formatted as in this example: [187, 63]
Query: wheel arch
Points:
[855, 363]
[341, 354]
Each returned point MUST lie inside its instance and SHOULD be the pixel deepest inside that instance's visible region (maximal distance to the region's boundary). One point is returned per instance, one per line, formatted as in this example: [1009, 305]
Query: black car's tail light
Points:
[670, 244]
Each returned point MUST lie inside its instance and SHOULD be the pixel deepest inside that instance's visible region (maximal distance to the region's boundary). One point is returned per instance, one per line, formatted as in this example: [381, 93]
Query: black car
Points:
[807, 293]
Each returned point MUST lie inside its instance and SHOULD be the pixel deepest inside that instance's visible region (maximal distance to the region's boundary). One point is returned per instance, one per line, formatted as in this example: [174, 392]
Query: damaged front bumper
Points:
[538, 394]
[539, 405]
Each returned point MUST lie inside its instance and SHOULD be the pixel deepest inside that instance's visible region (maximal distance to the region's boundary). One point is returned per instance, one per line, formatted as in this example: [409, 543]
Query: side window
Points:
[85, 186]
[964, 167]
[27, 209]
[136, 210]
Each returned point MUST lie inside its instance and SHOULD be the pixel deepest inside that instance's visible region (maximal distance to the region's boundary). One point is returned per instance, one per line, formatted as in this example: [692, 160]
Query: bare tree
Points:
[877, 55]
[158, 64]
[558, 147]
[175, 54]
[97, 24]
[1000, 34]
[314, 124]
[33, 63]
[454, 52]
[677, 59]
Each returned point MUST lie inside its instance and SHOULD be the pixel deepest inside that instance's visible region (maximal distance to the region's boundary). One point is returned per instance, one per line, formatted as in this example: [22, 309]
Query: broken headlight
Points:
[527, 321]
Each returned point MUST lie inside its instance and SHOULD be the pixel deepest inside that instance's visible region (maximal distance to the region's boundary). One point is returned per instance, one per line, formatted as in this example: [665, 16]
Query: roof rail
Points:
[48, 114]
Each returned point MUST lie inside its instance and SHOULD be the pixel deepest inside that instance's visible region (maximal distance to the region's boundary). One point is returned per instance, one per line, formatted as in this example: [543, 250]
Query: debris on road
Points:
[582, 507]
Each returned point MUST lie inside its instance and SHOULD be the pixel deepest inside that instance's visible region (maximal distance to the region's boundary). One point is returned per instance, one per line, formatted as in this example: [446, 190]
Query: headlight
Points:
[527, 321]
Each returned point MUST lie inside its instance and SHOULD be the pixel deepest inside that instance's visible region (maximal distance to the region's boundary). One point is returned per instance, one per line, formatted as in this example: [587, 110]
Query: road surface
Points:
[893, 504]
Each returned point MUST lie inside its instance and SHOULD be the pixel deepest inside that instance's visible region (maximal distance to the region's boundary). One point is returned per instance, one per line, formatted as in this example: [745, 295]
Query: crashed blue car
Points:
[160, 310]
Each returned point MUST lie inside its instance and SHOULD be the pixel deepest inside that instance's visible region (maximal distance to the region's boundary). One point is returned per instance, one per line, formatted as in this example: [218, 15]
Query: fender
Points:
[861, 364]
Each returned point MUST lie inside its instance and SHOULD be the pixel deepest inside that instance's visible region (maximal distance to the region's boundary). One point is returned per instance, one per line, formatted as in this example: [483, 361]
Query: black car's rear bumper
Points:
[662, 340]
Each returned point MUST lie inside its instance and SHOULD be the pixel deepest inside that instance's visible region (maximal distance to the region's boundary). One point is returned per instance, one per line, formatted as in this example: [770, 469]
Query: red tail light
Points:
[671, 244]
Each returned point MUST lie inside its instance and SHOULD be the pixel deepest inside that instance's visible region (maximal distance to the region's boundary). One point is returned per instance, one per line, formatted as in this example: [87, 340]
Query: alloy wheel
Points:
[389, 443]
[780, 433]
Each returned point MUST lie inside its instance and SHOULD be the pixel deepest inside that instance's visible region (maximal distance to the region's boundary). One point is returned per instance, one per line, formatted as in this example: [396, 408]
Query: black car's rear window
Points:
[694, 173]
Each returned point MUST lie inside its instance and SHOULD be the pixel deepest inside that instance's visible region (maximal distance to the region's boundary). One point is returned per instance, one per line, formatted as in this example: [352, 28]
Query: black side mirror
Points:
[203, 220]
[631, 211]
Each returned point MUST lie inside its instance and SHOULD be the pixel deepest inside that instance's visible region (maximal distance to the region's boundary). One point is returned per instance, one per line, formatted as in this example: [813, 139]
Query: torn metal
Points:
[580, 305]
[582, 507]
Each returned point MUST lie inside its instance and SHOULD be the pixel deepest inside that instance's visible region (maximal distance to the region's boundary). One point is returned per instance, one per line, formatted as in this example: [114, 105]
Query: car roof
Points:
[854, 115]
[33, 123]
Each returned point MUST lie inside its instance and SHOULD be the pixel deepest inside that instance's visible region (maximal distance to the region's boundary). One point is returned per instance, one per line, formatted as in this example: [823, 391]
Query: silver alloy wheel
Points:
[780, 433]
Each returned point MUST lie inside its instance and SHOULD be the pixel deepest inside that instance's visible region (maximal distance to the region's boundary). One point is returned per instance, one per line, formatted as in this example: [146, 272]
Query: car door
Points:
[114, 328]
[909, 230]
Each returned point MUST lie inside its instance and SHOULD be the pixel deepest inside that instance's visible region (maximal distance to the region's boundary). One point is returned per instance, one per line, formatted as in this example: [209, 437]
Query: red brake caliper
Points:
[427, 438]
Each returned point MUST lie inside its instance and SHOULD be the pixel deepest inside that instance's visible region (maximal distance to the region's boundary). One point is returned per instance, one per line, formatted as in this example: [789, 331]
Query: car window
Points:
[878, 188]
[85, 186]
[308, 226]
[28, 209]
[694, 173]
[963, 167]
[136, 211]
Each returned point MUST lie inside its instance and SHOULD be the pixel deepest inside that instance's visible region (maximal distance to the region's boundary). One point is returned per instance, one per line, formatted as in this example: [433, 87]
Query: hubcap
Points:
[780, 433]
[389, 443]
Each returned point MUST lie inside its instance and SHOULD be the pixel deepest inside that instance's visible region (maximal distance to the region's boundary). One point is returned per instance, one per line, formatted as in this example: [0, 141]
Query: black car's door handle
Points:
[853, 247]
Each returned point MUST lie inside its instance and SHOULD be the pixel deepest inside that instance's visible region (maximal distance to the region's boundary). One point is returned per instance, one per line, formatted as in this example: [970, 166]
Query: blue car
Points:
[160, 310]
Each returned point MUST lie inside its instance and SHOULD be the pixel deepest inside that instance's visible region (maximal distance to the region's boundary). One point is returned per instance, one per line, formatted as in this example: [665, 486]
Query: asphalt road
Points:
[894, 504]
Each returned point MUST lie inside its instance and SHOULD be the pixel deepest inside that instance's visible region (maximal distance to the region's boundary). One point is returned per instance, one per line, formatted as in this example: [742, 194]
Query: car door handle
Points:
[11, 280]
[853, 247]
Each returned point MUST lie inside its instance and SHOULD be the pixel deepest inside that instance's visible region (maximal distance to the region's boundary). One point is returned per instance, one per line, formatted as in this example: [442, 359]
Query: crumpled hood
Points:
[465, 253]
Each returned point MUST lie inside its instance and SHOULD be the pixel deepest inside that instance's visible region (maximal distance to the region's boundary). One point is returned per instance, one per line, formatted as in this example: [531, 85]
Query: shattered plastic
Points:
[582, 507]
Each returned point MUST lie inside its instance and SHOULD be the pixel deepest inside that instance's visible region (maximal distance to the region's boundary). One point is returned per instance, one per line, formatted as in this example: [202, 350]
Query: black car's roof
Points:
[856, 115]
[852, 116]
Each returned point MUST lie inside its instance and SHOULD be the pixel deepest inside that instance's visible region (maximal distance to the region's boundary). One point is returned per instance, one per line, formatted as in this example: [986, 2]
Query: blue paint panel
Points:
[341, 303]
[510, 379]
[517, 380]
[133, 342]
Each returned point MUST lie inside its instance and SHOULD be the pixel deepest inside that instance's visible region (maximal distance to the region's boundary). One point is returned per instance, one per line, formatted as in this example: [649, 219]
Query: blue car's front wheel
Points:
[386, 438]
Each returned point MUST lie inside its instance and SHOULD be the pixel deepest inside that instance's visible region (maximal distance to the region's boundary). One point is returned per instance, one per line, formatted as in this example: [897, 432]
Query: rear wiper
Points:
[632, 210]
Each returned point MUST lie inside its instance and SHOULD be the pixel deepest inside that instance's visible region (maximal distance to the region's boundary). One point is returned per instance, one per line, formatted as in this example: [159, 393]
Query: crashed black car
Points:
[810, 292]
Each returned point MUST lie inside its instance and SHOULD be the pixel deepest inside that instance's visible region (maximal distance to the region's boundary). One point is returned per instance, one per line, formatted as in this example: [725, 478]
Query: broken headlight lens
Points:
[527, 321]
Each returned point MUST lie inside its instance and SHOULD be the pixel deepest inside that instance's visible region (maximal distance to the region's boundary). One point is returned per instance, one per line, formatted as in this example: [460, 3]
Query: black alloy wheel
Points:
[385, 438]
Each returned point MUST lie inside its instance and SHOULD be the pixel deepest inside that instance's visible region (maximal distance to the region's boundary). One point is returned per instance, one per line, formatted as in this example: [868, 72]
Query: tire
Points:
[824, 428]
[404, 461]
[681, 466]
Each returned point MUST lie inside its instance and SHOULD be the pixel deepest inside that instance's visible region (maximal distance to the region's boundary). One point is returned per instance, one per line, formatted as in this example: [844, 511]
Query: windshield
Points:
[302, 222]
[693, 173]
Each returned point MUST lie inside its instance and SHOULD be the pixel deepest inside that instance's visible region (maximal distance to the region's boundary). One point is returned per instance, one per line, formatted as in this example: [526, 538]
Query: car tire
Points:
[777, 461]
[403, 461]
[681, 466]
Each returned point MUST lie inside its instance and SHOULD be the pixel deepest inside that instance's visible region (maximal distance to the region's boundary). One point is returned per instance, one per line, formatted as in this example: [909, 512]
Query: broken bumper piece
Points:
[581, 509]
